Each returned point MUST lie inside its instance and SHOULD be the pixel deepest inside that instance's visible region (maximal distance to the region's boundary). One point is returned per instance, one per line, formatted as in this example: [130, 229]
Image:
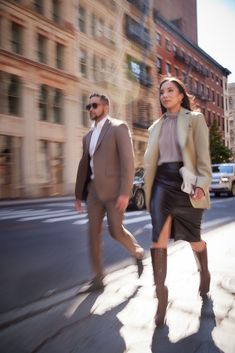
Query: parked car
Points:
[223, 179]
[137, 199]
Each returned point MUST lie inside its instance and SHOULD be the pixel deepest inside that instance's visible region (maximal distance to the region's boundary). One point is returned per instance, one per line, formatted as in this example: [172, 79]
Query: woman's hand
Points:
[198, 194]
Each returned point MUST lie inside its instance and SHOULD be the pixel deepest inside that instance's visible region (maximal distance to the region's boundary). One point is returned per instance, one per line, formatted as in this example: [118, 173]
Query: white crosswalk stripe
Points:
[19, 214]
[48, 215]
[53, 215]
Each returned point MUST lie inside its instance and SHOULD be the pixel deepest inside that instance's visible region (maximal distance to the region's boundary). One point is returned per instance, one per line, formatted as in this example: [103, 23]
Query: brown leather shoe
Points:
[140, 266]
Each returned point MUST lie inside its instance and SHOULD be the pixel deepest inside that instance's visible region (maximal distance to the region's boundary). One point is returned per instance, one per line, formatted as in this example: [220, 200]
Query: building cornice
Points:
[22, 59]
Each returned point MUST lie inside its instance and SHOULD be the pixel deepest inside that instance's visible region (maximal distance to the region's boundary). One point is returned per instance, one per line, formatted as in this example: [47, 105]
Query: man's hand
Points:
[78, 206]
[198, 194]
[122, 203]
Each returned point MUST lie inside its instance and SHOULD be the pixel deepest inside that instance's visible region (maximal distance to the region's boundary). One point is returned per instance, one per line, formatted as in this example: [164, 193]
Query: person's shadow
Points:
[87, 331]
[199, 342]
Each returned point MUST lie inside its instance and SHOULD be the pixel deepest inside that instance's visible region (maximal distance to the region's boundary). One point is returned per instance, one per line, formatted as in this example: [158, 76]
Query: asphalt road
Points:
[43, 247]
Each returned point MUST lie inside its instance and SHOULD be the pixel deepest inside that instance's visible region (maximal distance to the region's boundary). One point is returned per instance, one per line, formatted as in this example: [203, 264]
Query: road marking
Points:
[82, 221]
[48, 215]
[59, 219]
[19, 214]
[137, 219]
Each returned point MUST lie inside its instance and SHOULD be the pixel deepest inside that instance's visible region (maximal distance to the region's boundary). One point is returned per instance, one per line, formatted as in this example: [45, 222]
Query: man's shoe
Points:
[94, 286]
[140, 266]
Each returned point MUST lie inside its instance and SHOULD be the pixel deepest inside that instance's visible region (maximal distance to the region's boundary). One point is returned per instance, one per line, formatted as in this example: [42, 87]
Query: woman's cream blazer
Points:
[193, 137]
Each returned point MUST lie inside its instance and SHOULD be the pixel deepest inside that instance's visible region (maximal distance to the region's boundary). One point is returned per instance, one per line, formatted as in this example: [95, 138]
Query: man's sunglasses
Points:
[92, 105]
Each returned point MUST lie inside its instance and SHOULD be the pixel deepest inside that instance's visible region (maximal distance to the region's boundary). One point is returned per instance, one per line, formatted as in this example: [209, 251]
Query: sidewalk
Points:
[120, 319]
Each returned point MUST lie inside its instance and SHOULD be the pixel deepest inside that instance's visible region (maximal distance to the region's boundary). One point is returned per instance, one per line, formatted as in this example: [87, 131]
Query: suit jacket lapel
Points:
[102, 133]
[183, 126]
[88, 140]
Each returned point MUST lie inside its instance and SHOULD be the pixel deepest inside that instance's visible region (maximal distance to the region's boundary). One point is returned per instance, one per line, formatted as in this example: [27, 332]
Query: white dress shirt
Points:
[94, 138]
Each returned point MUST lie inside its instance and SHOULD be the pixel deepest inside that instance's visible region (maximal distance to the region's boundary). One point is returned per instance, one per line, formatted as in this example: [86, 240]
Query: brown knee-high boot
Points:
[159, 263]
[205, 277]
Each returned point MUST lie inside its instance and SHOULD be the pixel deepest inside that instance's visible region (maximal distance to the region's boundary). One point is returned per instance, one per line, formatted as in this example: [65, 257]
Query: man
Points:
[104, 180]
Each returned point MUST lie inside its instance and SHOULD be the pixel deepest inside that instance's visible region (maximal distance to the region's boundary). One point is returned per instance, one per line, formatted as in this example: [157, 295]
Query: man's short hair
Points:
[102, 97]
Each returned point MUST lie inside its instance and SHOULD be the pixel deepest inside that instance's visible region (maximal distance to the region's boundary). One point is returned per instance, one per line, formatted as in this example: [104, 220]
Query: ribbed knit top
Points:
[168, 143]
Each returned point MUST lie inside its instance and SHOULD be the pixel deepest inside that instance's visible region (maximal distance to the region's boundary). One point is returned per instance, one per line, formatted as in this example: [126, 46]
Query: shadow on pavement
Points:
[90, 333]
[199, 342]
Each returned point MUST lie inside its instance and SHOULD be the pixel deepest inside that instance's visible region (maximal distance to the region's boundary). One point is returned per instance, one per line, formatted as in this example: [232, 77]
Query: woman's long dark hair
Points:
[187, 101]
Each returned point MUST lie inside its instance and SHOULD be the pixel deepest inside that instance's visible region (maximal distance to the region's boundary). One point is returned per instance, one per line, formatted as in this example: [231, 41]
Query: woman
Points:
[179, 138]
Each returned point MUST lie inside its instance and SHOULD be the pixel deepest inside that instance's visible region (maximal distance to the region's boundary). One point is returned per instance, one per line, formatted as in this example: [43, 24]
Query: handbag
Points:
[189, 181]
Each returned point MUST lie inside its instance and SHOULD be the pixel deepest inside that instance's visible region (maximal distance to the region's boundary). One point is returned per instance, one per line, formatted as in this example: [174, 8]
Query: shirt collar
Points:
[100, 124]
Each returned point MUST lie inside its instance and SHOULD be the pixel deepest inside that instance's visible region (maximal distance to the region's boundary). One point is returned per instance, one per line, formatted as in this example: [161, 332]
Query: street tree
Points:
[219, 152]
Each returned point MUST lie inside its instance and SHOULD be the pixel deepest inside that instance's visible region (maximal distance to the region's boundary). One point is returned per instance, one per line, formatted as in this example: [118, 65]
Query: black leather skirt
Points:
[168, 199]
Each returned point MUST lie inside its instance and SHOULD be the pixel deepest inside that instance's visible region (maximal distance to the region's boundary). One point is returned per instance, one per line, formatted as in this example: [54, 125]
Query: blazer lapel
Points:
[102, 133]
[88, 140]
[183, 126]
[154, 144]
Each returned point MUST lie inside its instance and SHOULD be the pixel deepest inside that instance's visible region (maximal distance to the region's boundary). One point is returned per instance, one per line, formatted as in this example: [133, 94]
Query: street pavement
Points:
[120, 319]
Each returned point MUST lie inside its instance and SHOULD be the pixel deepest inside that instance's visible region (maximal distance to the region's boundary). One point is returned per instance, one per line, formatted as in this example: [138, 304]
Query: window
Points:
[56, 163]
[222, 102]
[218, 99]
[83, 63]
[223, 123]
[168, 45]
[213, 96]
[95, 68]
[38, 6]
[82, 19]
[50, 164]
[174, 48]
[57, 106]
[14, 95]
[168, 68]
[50, 104]
[159, 65]
[100, 28]
[84, 113]
[159, 39]
[93, 25]
[41, 46]
[16, 38]
[11, 165]
[59, 56]
[56, 10]
[190, 83]
[43, 103]
[208, 118]
[203, 89]
[111, 34]
[176, 72]
[10, 94]
[43, 173]
[184, 77]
